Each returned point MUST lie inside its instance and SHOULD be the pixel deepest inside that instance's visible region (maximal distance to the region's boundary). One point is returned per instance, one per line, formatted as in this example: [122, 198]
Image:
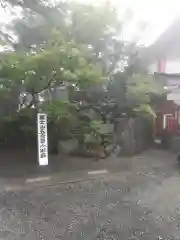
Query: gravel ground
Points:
[139, 203]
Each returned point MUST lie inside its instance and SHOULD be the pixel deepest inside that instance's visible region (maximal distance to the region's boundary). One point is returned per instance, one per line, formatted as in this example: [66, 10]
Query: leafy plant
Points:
[93, 136]
[139, 91]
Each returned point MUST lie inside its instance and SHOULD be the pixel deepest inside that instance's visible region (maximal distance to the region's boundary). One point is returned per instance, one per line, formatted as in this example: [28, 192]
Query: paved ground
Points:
[142, 201]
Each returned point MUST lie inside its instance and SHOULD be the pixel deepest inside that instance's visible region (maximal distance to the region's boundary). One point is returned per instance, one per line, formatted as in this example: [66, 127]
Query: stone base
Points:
[175, 144]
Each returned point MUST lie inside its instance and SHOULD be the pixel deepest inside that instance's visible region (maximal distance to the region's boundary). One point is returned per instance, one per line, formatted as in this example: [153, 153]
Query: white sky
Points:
[157, 13]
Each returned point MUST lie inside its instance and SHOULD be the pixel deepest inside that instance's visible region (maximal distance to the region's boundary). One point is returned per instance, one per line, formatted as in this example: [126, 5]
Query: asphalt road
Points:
[141, 203]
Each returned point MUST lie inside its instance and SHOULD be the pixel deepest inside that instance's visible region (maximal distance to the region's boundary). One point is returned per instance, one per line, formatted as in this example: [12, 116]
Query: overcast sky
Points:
[157, 13]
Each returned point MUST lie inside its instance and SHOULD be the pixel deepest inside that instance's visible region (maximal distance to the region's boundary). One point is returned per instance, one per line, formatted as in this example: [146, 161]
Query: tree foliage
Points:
[74, 45]
[55, 64]
[140, 89]
[33, 20]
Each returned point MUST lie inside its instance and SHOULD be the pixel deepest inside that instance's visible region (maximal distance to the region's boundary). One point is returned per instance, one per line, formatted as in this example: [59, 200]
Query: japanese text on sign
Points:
[42, 139]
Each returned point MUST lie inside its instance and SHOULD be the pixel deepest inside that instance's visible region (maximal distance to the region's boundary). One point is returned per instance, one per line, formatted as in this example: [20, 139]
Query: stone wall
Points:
[134, 135]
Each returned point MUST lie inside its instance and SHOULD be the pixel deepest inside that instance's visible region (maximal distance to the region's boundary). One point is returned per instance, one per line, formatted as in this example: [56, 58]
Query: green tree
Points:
[63, 62]
[140, 90]
[77, 45]
[103, 36]
[33, 22]
[101, 31]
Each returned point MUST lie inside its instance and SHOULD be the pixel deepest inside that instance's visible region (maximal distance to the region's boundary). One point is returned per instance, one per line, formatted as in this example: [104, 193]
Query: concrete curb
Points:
[55, 179]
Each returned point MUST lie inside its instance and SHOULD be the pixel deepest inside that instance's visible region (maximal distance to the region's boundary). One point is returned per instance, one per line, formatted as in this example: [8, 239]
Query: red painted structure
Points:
[162, 65]
[165, 58]
[167, 118]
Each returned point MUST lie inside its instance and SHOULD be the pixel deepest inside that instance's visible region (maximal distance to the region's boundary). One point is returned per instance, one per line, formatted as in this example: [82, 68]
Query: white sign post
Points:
[42, 139]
